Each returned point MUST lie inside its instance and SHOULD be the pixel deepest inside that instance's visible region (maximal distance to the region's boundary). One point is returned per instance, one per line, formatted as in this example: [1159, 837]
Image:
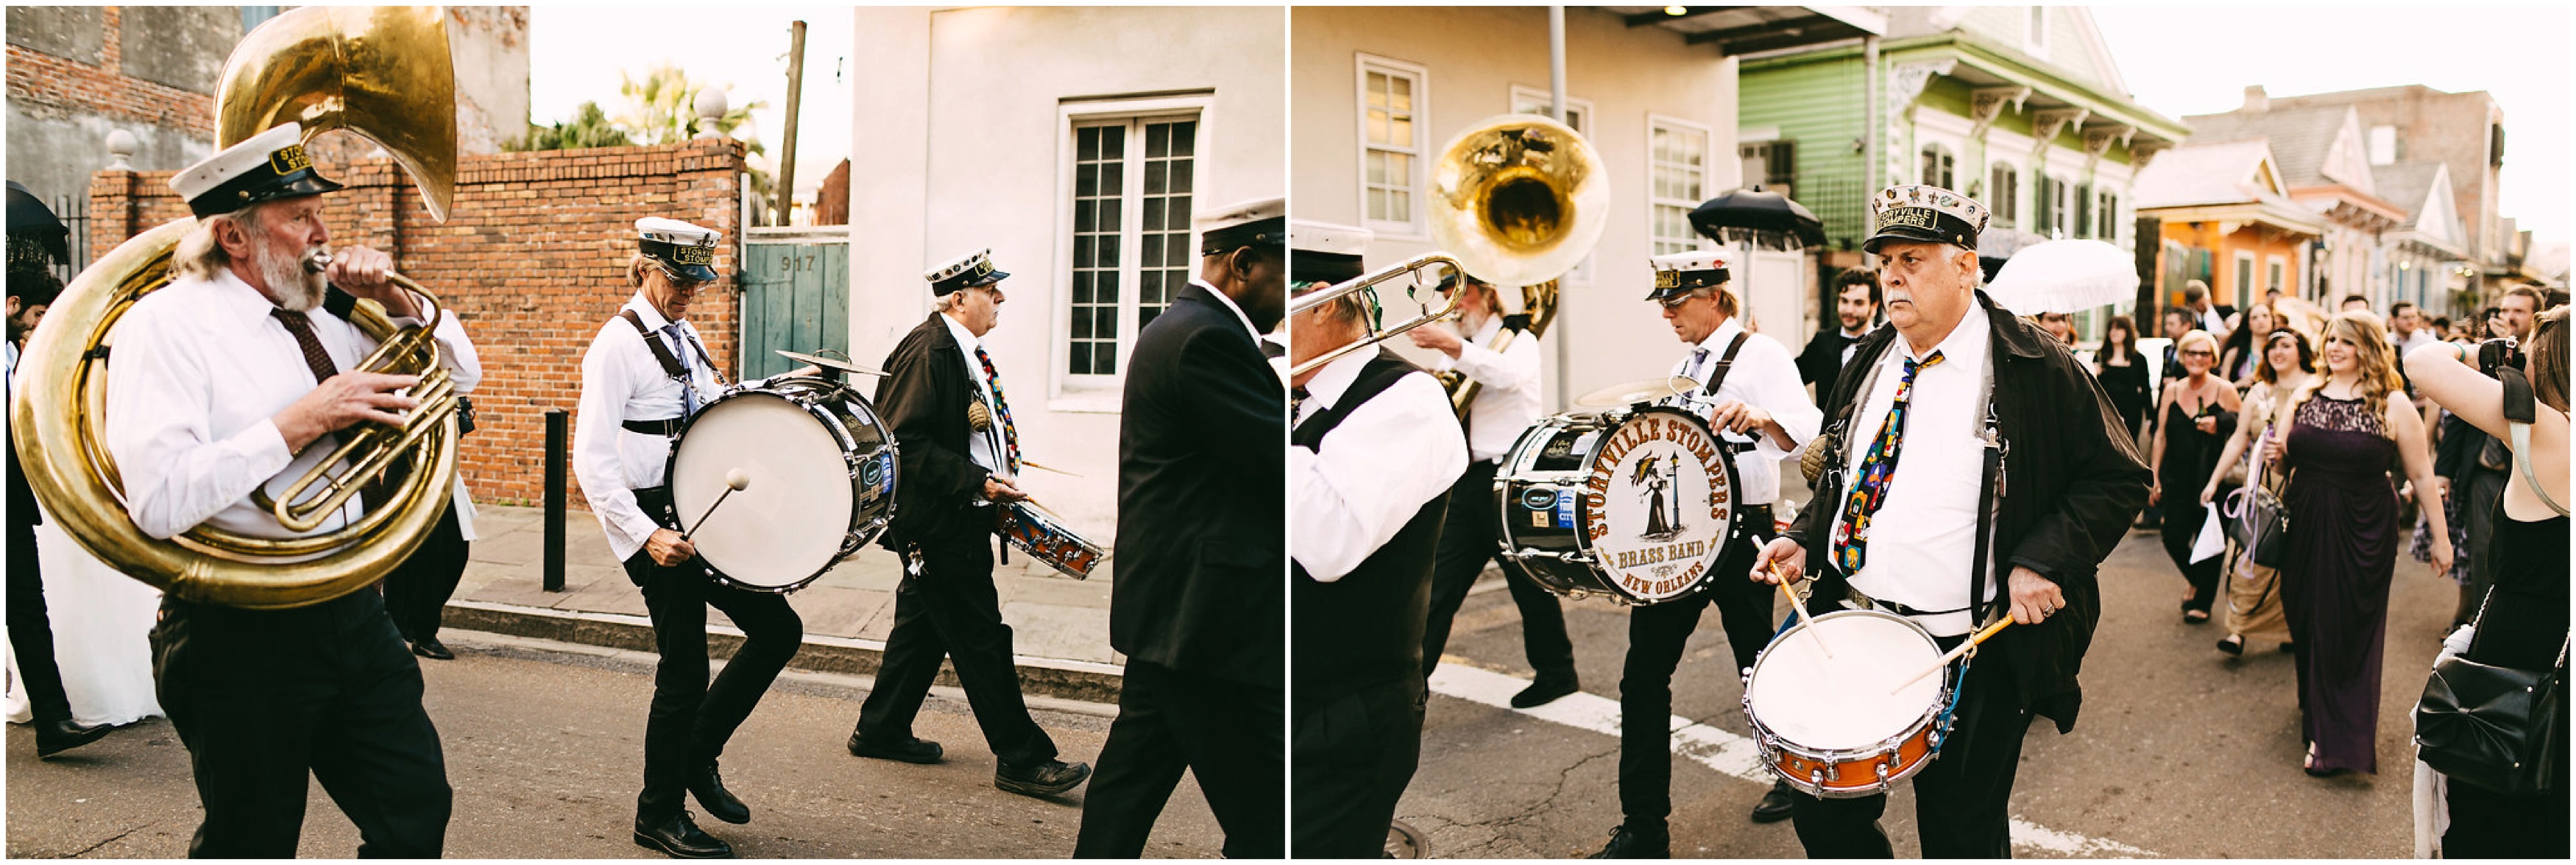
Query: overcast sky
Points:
[578, 51]
[2182, 61]
[2177, 61]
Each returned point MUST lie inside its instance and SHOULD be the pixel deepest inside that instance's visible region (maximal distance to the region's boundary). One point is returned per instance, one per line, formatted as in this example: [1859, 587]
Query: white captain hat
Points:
[264, 167]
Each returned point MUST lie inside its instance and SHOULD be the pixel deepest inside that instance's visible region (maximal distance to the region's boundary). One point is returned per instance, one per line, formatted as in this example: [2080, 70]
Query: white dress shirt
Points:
[1506, 401]
[1372, 473]
[621, 381]
[1923, 538]
[984, 448]
[2422, 337]
[1766, 377]
[200, 368]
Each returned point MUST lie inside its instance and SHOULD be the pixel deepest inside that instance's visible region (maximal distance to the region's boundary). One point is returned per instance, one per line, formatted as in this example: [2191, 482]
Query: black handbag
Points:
[2267, 525]
[2500, 728]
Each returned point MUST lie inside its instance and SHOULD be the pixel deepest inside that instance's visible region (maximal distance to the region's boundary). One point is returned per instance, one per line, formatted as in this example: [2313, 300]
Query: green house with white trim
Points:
[2020, 107]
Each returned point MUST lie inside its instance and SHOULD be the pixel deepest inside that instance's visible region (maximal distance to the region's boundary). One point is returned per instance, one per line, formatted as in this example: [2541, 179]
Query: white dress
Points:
[102, 623]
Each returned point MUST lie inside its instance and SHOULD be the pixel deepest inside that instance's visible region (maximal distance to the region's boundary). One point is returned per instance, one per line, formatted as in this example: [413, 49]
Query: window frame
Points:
[2243, 275]
[1415, 228]
[1707, 164]
[1096, 393]
[1951, 157]
[2004, 204]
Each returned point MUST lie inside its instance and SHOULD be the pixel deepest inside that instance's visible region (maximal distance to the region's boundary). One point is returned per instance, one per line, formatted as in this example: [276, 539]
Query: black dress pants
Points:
[691, 719]
[1656, 636]
[1225, 732]
[31, 631]
[1353, 754]
[261, 698]
[1466, 544]
[416, 593]
[1961, 801]
[949, 609]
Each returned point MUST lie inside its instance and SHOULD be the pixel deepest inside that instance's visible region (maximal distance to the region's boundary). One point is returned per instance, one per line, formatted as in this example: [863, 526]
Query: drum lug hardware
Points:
[1882, 769]
[1815, 778]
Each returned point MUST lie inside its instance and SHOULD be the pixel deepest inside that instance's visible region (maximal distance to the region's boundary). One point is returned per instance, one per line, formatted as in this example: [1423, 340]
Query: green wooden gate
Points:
[795, 297]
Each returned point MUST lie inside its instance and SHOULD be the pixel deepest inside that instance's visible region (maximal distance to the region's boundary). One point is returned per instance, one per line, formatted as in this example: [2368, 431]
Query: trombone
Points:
[1516, 199]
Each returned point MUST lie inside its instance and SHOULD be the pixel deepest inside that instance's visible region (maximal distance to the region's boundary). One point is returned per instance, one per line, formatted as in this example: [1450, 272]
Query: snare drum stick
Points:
[1953, 655]
[1800, 609]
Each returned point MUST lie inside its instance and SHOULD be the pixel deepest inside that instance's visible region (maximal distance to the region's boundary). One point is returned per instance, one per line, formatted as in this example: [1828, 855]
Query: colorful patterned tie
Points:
[1869, 490]
[1001, 407]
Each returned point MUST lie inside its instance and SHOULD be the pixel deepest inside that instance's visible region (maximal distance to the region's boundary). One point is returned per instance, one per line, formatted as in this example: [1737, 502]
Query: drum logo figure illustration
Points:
[1643, 522]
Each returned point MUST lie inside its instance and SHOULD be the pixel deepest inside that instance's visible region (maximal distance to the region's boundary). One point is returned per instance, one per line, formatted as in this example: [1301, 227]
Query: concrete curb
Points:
[1052, 677]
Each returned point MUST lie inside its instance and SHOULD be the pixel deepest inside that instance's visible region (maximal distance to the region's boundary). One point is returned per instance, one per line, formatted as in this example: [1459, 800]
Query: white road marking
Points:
[1709, 746]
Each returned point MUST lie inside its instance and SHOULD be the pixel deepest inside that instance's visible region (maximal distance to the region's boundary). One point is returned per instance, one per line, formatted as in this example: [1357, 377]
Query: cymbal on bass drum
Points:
[1639, 391]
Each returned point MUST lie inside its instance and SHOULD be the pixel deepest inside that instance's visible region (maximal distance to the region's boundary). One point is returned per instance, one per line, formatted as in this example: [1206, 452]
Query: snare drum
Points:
[1037, 533]
[1829, 726]
[1634, 503]
[821, 465]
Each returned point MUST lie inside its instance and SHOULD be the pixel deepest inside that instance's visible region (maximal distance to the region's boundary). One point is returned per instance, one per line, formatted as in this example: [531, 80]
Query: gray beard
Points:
[289, 284]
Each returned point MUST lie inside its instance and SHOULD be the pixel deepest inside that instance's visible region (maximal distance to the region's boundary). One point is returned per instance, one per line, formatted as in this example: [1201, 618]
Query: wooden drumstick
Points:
[1799, 608]
[735, 480]
[1953, 655]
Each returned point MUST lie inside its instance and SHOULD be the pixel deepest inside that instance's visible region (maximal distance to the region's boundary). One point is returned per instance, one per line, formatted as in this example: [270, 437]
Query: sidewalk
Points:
[1060, 626]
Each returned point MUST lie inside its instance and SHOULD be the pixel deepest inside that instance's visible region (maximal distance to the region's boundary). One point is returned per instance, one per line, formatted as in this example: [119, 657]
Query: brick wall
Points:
[45, 83]
[532, 257]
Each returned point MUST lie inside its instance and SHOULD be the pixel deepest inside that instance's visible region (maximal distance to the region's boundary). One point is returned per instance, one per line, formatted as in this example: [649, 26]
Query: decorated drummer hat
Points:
[968, 271]
[1324, 252]
[1259, 222]
[1917, 213]
[687, 251]
[1681, 273]
[264, 167]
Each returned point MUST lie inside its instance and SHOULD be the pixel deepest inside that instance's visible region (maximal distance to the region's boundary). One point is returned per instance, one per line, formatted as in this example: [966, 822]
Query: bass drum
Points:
[822, 469]
[1633, 503]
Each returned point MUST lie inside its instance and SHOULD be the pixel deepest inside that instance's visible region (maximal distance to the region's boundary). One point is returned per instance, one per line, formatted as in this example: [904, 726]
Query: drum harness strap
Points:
[671, 366]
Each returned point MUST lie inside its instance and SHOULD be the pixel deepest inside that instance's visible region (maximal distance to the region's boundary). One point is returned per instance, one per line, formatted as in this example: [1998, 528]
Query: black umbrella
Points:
[32, 227]
[1758, 210]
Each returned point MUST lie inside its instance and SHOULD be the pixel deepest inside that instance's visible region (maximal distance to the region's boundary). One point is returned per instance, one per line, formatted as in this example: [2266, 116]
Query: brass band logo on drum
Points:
[1639, 485]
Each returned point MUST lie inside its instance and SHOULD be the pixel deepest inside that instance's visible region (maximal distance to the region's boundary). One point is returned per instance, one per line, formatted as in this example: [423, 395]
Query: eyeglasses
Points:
[1675, 301]
[2198, 352]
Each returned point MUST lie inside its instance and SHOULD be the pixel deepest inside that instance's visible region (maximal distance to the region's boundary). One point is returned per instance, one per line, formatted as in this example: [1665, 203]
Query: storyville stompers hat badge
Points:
[686, 250]
[1925, 214]
[967, 271]
[264, 167]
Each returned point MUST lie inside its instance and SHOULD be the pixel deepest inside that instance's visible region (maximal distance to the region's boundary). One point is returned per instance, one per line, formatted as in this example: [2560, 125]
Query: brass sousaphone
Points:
[383, 73]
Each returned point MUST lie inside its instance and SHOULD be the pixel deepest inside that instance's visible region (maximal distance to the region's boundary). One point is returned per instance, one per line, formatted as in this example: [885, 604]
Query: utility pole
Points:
[786, 198]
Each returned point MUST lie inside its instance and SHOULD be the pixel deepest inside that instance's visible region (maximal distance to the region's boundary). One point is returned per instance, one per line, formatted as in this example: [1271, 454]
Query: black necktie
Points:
[314, 357]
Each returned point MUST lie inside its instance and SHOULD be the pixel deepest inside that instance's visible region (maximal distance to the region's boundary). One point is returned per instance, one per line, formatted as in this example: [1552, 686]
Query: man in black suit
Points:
[1856, 307]
[32, 287]
[960, 455]
[1197, 603]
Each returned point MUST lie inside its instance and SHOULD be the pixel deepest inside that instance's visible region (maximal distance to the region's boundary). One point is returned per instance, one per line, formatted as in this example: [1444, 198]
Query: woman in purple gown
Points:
[2349, 430]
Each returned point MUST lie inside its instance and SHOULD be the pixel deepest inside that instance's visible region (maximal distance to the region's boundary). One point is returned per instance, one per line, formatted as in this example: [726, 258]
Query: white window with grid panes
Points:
[1129, 184]
[1940, 167]
[2003, 195]
[2106, 213]
[1677, 168]
[1394, 108]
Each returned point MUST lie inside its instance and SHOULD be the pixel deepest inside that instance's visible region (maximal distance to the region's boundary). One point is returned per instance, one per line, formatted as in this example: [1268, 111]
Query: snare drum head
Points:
[789, 524]
[1661, 503]
[1842, 703]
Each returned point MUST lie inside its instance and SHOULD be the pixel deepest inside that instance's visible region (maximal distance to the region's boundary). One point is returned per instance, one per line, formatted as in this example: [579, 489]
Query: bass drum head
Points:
[1842, 703]
[1662, 496]
[790, 523]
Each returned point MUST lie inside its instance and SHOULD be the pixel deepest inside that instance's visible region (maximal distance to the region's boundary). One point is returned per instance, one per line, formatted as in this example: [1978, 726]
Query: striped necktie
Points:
[688, 371]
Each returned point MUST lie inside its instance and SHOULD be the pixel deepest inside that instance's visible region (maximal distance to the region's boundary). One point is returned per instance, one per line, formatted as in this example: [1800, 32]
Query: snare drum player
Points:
[647, 372]
[226, 382]
[960, 455]
[1506, 403]
[1373, 448]
[1927, 538]
[1752, 398]
[1197, 606]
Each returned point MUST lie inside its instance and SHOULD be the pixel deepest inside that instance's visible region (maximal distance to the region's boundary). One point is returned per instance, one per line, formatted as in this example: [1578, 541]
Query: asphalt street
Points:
[544, 747]
[2179, 751]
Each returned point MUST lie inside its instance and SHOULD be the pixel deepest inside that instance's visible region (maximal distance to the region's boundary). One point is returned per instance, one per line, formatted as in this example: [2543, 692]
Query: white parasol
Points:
[2065, 276]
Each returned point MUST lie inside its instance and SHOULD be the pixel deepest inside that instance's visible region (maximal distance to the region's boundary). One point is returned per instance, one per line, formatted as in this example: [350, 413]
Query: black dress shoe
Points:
[1544, 691]
[431, 648]
[1775, 805]
[55, 737]
[679, 837]
[921, 751]
[1627, 843]
[2233, 644]
[720, 803]
[1041, 779]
